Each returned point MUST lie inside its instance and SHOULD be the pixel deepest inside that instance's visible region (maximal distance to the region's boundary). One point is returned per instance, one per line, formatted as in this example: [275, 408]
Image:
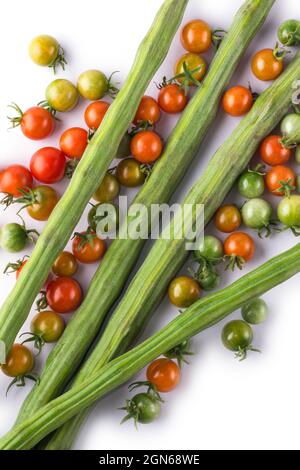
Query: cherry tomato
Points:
[164, 374]
[237, 101]
[184, 291]
[49, 326]
[172, 99]
[36, 123]
[88, 248]
[63, 294]
[65, 265]
[41, 202]
[196, 36]
[273, 152]
[148, 110]
[93, 85]
[44, 50]
[193, 62]
[129, 173]
[228, 218]
[19, 270]
[280, 180]
[48, 165]
[108, 190]
[19, 361]
[73, 142]
[266, 66]
[95, 113]
[241, 245]
[146, 146]
[62, 95]
[14, 178]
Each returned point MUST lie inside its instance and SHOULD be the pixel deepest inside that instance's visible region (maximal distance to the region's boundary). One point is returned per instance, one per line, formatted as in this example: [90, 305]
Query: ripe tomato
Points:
[184, 291]
[36, 123]
[14, 178]
[273, 152]
[172, 99]
[65, 265]
[19, 361]
[280, 180]
[146, 146]
[192, 62]
[95, 113]
[88, 248]
[237, 101]
[228, 218]
[164, 374]
[73, 142]
[196, 36]
[63, 294]
[148, 110]
[241, 245]
[266, 66]
[48, 165]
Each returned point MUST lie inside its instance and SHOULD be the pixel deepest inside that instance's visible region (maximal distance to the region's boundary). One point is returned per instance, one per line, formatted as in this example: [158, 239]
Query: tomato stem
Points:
[218, 36]
[60, 60]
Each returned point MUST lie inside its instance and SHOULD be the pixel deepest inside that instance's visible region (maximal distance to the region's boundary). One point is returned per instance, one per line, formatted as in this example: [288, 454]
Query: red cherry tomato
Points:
[237, 101]
[146, 146]
[48, 165]
[73, 142]
[273, 152]
[148, 110]
[88, 250]
[164, 374]
[240, 244]
[280, 180]
[172, 99]
[14, 178]
[95, 113]
[63, 294]
[37, 123]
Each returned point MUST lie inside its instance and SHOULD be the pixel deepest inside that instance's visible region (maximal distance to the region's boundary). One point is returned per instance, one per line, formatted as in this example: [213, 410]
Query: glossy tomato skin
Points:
[277, 177]
[184, 291]
[73, 142]
[265, 66]
[192, 61]
[240, 244]
[63, 295]
[273, 152]
[164, 374]
[48, 165]
[108, 190]
[146, 146]
[37, 123]
[237, 101]
[148, 110]
[196, 36]
[172, 99]
[88, 252]
[147, 408]
[237, 335]
[289, 211]
[94, 113]
[92, 84]
[62, 95]
[65, 265]
[129, 173]
[48, 325]
[15, 177]
[43, 50]
[46, 200]
[20, 361]
[228, 218]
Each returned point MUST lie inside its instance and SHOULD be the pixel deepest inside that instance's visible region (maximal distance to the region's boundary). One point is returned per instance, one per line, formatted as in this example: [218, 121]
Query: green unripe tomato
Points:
[92, 85]
[210, 248]
[108, 190]
[209, 279]
[297, 155]
[255, 311]
[145, 407]
[257, 213]
[290, 129]
[62, 95]
[13, 237]
[237, 335]
[49, 326]
[251, 184]
[289, 33]
[289, 211]
[43, 50]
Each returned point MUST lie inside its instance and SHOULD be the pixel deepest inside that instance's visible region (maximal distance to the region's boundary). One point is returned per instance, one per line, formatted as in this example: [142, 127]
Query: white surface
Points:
[220, 404]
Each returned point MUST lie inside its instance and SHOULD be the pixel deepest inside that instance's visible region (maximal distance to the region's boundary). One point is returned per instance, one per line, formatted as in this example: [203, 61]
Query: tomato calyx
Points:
[14, 267]
[146, 169]
[131, 408]
[267, 230]
[71, 166]
[234, 261]
[280, 52]
[87, 237]
[218, 36]
[207, 275]
[37, 341]
[20, 381]
[42, 302]
[112, 89]
[44, 104]
[242, 353]
[60, 60]
[187, 77]
[15, 120]
[28, 198]
[141, 126]
[285, 188]
[257, 170]
[180, 352]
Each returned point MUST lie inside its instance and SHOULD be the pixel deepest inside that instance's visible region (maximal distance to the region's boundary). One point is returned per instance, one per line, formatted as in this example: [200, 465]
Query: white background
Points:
[220, 403]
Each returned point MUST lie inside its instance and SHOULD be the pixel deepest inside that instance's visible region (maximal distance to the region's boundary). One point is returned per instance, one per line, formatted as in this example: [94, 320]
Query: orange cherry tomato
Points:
[73, 142]
[228, 218]
[65, 265]
[148, 110]
[273, 152]
[95, 113]
[240, 244]
[19, 362]
[280, 180]
[88, 248]
[193, 62]
[237, 101]
[63, 294]
[14, 178]
[196, 36]
[266, 66]
[146, 146]
[44, 200]
[172, 99]
[164, 374]
[184, 291]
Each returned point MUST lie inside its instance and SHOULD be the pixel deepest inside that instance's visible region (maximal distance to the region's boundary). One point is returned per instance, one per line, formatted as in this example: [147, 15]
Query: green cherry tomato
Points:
[297, 156]
[290, 129]
[44, 50]
[289, 33]
[210, 248]
[108, 190]
[237, 336]
[209, 279]
[92, 85]
[145, 408]
[257, 213]
[49, 326]
[251, 184]
[95, 217]
[13, 237]
[61, 95]
[289, 211]
[255, 311]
